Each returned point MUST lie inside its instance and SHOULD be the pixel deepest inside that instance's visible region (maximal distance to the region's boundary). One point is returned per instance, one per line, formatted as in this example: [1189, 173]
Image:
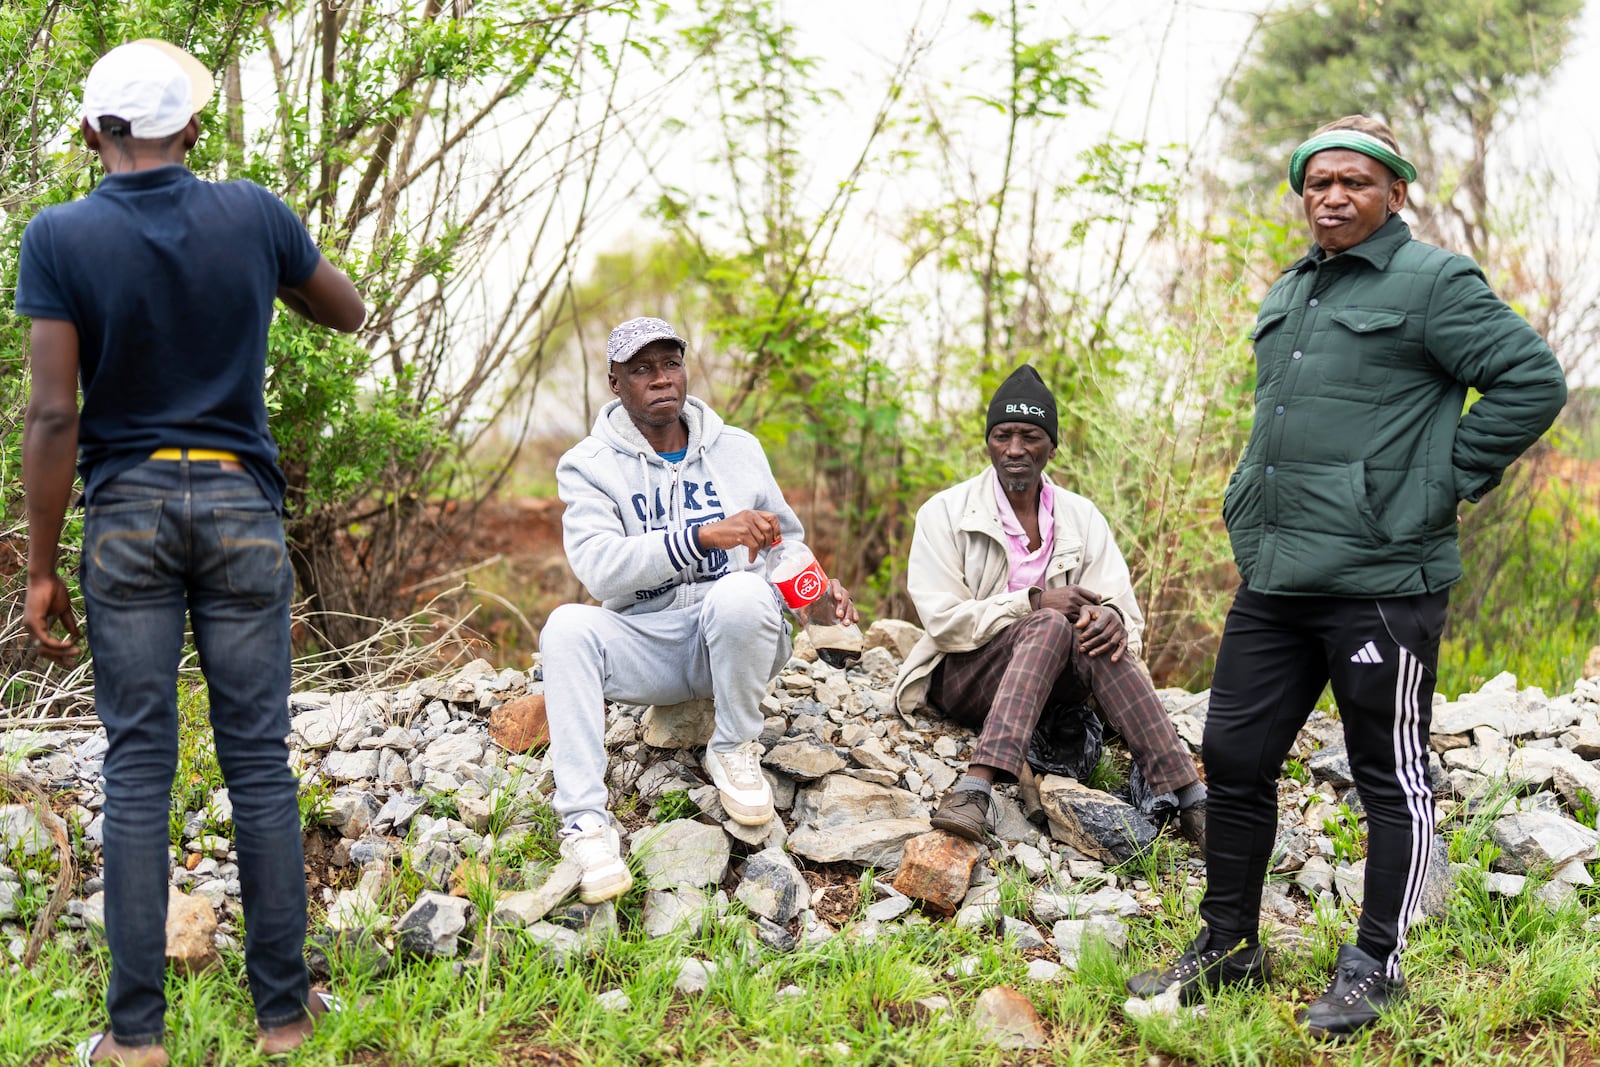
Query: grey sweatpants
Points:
[728, 646]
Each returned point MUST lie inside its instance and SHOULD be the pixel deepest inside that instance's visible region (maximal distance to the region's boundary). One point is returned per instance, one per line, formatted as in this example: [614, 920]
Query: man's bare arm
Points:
[328, 298]
[49, 449]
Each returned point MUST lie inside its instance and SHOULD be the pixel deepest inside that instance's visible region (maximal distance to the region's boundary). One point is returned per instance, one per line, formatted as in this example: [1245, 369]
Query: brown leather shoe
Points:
[965, 813]
[1192, 826]
[103, 1048]
[286, 1037]
[1028, 794]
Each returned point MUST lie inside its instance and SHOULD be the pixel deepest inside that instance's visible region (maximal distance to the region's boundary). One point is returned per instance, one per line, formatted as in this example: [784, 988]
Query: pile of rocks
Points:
[423, 791]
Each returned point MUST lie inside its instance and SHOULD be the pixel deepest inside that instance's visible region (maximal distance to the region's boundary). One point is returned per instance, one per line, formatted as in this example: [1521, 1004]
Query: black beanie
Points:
[1024, 397]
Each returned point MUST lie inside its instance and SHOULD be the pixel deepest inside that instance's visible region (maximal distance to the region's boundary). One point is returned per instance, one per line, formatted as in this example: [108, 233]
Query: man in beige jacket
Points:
[1029, 609]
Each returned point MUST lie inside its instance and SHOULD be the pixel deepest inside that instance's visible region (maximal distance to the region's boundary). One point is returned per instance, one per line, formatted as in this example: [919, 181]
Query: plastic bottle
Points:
[807, 591]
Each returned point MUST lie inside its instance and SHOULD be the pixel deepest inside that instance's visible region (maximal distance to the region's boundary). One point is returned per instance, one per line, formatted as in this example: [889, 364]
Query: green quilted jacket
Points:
[1360, 451]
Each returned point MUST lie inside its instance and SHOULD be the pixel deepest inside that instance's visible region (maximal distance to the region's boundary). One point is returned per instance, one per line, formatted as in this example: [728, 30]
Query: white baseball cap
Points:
[155, 87]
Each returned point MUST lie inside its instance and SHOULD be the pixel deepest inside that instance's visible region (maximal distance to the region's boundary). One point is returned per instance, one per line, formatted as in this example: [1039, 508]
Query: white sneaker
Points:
[742, 788]
[599, 853]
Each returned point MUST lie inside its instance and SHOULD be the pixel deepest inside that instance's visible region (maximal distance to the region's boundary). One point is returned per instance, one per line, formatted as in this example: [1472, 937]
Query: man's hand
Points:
[755, 530]
[844, 612]
[49, 602]
[1100, 630]
[1069, 600]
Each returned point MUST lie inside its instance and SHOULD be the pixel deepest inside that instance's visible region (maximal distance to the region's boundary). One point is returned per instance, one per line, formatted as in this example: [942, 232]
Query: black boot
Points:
[1358, 994]
[1204, 968]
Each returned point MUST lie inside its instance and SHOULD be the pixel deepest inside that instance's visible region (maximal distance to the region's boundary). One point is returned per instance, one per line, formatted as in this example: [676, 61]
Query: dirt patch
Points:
[528, 1051]
[512, 559]
[320, 846]
[840, 901]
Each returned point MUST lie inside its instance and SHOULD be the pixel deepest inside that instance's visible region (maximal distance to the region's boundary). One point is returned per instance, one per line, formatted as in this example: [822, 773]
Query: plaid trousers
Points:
[1002, 688]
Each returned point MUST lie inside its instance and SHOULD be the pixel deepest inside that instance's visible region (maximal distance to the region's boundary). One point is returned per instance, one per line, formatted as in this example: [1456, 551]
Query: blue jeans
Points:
[160, 541]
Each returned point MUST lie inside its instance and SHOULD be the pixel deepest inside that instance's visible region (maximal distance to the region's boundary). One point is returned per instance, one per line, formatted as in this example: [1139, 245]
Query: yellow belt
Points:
[192, 454]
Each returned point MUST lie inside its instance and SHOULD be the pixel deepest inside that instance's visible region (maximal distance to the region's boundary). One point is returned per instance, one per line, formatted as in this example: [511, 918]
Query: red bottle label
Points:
[804, 587]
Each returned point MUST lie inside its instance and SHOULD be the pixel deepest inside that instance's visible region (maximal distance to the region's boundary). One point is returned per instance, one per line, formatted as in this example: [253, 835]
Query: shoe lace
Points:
[590, 848]
[969, 798]
[1193, 963]
[742, 765]
[1356, 981]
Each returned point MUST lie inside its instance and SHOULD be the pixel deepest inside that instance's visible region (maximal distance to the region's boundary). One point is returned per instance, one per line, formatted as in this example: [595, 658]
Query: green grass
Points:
[1549, 653]
[1495, 982]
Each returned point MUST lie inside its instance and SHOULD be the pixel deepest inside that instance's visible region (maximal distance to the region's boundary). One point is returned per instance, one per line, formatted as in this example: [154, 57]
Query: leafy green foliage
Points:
[1344, 828]
[1448, 76]
[199, 775]
[1529, 599]
[675, 804]
[376, 119]
[342, 437]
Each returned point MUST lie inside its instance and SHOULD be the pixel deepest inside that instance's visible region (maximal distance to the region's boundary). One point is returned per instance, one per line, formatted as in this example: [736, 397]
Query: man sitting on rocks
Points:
[659, 496]
[1028, 609]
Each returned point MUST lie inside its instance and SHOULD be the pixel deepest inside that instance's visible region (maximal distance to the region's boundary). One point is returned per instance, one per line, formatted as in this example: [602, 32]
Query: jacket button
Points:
[1313, 301]
[1297, 355]
[1278, 410]
[1270, 470]
[1272, 528]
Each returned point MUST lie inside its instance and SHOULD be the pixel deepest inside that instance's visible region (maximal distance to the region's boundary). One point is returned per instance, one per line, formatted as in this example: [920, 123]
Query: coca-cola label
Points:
[804, 587]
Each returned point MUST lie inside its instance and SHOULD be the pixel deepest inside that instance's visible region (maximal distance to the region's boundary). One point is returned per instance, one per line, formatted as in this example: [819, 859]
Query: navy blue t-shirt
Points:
[170, 282]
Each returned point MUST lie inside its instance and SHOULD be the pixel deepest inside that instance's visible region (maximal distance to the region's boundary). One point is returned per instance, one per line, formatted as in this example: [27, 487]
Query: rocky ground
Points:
[432, 834]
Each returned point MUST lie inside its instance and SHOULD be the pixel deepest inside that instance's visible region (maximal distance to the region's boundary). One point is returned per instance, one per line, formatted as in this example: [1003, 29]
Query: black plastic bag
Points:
[1067, 741]
[1157, 807]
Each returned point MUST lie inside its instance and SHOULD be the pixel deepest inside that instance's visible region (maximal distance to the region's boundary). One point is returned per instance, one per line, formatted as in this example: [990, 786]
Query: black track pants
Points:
[1277, 653]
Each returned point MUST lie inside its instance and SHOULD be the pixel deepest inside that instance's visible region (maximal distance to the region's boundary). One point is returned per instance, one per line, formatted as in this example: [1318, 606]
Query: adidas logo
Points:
[1367, 653]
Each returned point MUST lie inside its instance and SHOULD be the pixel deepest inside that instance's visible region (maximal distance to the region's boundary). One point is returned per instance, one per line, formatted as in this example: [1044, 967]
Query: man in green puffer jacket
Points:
[1342, 515]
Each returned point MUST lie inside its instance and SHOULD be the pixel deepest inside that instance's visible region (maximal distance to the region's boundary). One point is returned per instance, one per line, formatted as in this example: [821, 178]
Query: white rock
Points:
[1533, 838]
[681, 853]
[1573, 872]
[1043, 970]
[20, 828]
[840, 800]
[1165, 1004]
[614, 1000]
[888, 909]
[1031, 860]
[528, 907]
[351, 766]
[694, 976]
[668, 911]
[772, 887]
[1071, 935]
[1506, 885]
[868, 844]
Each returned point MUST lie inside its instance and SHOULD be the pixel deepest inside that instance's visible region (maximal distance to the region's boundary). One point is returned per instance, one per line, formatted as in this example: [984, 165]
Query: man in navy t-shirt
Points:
[154, 293]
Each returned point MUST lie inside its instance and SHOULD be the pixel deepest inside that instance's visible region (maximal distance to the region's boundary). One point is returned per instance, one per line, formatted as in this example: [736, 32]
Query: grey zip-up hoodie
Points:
[628, 527]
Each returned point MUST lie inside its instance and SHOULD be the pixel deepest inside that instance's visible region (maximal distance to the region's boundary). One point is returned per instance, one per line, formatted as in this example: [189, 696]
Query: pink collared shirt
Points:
[1027, 568]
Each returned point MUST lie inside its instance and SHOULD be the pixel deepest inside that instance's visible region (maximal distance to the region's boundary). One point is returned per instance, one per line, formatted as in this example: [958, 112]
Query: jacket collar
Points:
[614, 427]
[1377, 250]
[982, 514]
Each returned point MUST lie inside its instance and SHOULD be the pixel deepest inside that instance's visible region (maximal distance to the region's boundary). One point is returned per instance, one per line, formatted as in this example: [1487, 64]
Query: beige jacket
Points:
[959, 568]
